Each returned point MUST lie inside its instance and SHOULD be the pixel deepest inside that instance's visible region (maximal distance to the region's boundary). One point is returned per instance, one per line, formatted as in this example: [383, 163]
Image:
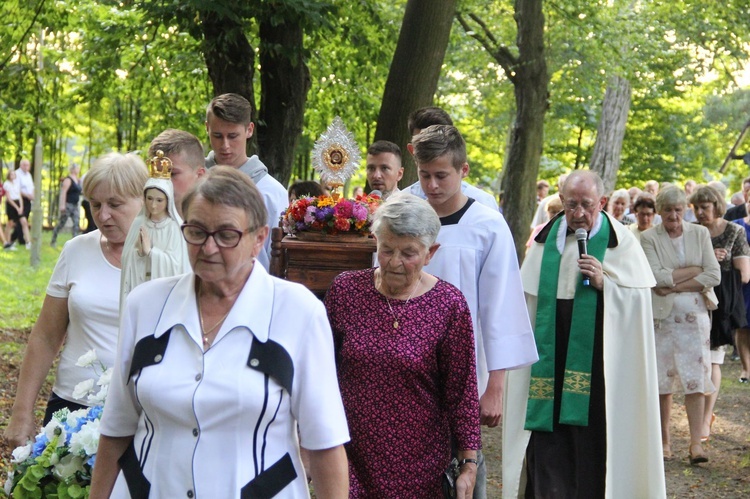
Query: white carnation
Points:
[82, 389]
[55, 427]
[86, 441]
[87, 359]
[21, 454]
[99, 397]
[76, 415]
[68, 466]
[106, 377]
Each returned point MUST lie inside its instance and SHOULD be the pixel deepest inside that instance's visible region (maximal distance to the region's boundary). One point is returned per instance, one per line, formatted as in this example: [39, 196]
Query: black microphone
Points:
[582, 236]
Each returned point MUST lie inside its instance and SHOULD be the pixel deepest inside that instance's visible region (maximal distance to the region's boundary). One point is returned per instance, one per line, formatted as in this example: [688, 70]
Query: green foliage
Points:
[349, 63]
[681, 59]
[115, 74]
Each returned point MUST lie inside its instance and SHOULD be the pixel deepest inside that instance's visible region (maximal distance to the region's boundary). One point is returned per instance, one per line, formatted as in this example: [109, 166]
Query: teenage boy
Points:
[428, 116]
[229, 125]
[188, 163]
[477, 256]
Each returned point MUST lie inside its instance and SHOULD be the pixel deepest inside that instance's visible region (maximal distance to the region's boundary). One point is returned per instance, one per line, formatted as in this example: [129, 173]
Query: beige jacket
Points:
[663, 261]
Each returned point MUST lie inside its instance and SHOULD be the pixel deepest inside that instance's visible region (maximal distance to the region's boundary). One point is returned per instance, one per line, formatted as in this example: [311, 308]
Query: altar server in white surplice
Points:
[477, 255]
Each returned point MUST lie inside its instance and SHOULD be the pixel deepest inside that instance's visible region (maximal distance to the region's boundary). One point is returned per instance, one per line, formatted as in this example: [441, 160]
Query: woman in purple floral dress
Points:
[406, 363]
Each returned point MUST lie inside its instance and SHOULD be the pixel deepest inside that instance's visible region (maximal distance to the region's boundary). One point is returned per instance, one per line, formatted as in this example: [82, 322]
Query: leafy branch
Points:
[486, 39]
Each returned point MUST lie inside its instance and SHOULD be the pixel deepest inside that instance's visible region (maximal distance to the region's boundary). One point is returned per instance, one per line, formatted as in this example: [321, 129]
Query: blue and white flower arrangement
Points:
[60, 460]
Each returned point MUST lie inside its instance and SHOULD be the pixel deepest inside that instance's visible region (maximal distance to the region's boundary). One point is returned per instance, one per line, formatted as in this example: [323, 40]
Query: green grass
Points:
[23, 287]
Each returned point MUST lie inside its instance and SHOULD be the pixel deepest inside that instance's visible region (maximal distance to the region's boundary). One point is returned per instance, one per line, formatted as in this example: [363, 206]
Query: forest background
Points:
[654, 89]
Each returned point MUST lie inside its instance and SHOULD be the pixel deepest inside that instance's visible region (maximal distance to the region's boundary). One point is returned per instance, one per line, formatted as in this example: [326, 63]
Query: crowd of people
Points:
[382, 387]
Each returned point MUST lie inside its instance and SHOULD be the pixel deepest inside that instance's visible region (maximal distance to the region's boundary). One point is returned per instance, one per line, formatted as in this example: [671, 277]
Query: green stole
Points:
[577, 381]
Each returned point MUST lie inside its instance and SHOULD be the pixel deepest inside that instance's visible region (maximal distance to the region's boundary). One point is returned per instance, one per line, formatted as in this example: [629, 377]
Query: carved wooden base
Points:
[315, 263]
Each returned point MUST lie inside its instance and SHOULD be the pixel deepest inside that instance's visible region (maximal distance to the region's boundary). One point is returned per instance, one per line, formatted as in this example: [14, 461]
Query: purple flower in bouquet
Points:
[310, 214]
[324, 213]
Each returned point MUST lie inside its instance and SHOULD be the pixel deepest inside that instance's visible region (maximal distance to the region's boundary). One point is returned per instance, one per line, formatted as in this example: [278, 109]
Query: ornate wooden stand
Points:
[316, 263]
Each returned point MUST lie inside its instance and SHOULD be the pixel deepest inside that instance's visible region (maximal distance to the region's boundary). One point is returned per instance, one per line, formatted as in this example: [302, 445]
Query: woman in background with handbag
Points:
[406, 364]
[733, 255]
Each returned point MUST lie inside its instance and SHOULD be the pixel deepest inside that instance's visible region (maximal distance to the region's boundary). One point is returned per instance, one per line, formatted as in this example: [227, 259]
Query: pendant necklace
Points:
[205, 333]
[395, 317]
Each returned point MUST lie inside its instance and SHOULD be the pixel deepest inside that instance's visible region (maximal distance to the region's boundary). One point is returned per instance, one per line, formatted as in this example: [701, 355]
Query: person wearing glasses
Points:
[217, 369]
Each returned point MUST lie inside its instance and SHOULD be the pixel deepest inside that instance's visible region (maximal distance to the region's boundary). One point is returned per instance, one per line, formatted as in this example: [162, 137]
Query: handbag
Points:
[450, 475]
[730, 313]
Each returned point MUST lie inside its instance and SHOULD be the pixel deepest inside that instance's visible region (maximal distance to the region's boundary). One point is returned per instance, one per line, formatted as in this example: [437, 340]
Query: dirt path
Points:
[726, 475]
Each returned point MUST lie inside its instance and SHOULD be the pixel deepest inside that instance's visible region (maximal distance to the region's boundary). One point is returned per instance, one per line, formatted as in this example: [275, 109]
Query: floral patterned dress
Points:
[406, 390]
[683, 341]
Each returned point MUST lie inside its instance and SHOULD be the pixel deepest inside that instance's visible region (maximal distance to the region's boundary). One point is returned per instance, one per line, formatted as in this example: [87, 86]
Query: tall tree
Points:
[605, 160]
[285, 82]
[415, 70]
[224, 28]
[528, 73]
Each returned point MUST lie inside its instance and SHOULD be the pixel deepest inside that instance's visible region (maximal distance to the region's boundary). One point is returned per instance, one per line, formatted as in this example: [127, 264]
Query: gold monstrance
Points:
[335, 156]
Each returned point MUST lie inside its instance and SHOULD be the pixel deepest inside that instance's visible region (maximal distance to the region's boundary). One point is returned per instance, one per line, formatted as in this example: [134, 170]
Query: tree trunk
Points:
[605, 160]
[415, 69]
[230, 60]
[285, 81]
[522, 163]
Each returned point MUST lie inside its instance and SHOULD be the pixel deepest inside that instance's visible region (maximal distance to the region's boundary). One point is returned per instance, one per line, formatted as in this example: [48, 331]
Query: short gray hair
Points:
[620, 194]
[721, 188]
[405, 214]
[670, 196]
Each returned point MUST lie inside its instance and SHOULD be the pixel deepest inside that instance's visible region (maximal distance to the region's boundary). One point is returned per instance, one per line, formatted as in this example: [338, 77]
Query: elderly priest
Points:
[584, 420]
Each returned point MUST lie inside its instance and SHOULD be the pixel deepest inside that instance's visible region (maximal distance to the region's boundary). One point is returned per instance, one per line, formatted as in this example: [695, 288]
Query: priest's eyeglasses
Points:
[224, 238]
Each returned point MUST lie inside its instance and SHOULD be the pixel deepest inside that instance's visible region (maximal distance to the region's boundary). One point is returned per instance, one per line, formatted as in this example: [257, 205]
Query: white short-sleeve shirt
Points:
[91, 285]
[25, 182]
[12, 189]
[208, 424]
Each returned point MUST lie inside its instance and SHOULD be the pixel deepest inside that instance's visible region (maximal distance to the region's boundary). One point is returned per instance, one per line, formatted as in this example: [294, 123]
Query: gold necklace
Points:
[395, 317]
[205, 333]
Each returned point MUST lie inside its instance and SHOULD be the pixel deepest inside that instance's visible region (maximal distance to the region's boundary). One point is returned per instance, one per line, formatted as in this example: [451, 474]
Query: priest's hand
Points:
[592, 268]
